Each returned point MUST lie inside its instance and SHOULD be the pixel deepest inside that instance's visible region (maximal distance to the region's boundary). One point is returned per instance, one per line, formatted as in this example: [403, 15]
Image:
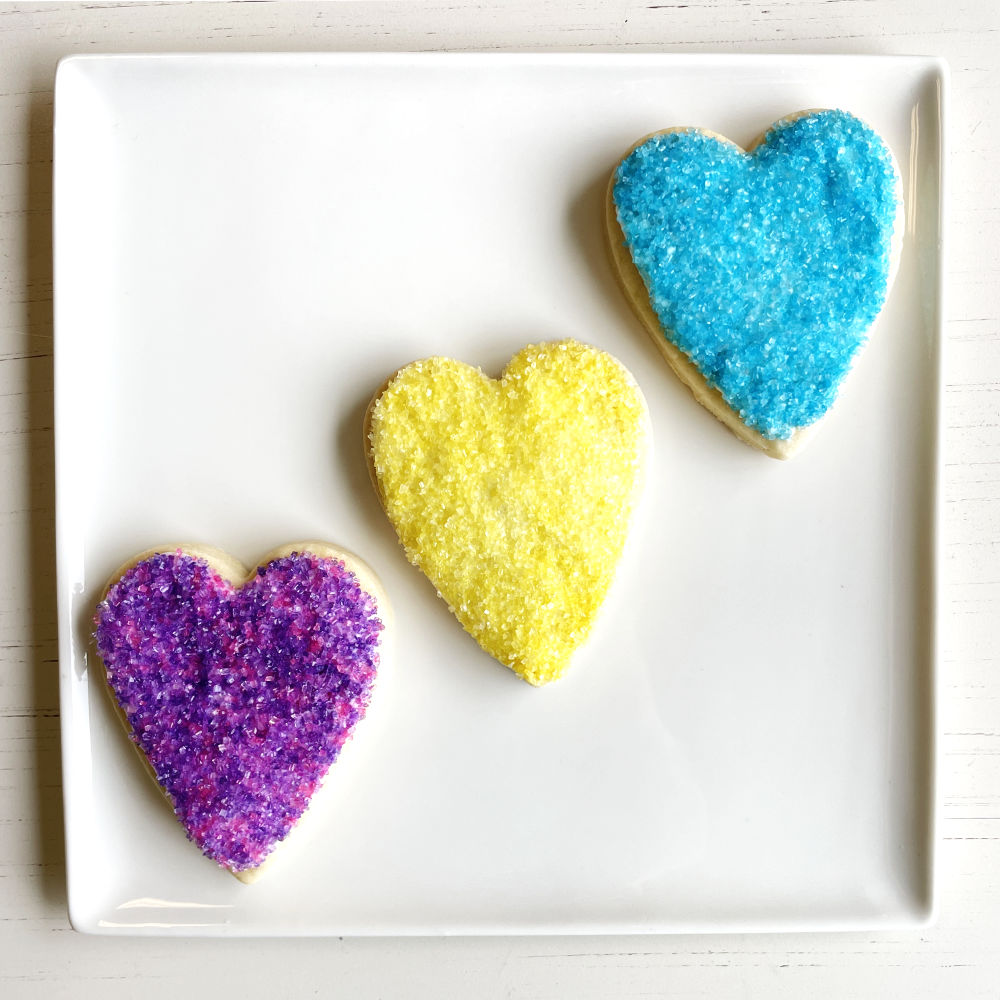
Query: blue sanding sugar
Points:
[766, 268]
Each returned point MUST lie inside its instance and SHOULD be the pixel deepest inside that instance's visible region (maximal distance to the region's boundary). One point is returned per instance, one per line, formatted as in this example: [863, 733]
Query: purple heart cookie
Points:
[239, 688]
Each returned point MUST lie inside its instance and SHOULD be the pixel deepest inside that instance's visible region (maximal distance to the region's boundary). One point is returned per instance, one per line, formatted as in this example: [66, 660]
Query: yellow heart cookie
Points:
[513, 495]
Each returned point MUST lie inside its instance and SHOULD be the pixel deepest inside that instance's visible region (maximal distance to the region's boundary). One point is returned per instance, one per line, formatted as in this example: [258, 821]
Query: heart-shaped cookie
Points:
[513, 495]
[240, 688]
[759, 273]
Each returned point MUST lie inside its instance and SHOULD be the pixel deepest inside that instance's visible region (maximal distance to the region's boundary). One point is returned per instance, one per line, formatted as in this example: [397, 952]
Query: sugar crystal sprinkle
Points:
[241, 699]
[513, 495]
[767, 269]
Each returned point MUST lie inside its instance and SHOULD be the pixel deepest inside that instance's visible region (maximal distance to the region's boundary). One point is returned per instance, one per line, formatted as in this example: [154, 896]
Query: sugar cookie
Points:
[513, 495]
[759, 273]
[240, 688]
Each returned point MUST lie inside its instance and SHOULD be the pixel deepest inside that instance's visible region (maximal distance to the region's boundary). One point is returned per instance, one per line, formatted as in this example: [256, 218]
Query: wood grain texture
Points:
[958, 957]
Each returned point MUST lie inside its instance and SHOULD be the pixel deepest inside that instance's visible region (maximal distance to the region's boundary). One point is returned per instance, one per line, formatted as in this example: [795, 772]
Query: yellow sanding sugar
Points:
[514, 495]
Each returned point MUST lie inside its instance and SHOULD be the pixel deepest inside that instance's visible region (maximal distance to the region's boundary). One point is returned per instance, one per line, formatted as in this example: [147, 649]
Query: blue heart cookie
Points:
[759, 272]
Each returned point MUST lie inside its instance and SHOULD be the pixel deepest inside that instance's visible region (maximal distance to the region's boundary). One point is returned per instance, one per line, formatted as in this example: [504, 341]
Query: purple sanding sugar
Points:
[240, 698]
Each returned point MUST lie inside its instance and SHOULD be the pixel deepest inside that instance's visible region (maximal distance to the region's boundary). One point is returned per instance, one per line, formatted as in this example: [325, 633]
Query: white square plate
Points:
[246, 246]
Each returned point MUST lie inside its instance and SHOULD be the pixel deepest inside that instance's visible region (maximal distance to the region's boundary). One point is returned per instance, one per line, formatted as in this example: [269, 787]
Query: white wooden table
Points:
[958, 957]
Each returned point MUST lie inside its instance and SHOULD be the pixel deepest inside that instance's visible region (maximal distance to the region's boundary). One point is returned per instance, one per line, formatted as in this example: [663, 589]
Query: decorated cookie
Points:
[240, 688]
[513, 495]
[759, 273]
